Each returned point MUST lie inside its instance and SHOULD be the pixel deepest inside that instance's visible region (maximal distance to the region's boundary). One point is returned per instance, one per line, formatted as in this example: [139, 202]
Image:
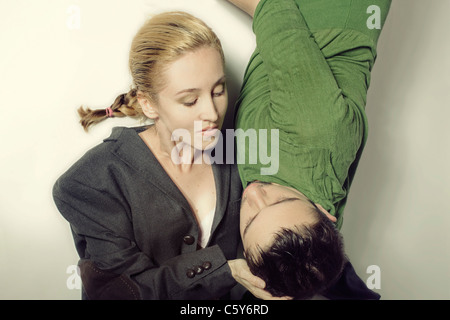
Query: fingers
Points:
[265, 295]
[252, 283]
[256, 281]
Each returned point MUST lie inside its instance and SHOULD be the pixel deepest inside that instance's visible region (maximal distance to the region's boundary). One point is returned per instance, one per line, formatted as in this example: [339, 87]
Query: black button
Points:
[198, 270]
[207, 265]
[190, 273]
[189, 240]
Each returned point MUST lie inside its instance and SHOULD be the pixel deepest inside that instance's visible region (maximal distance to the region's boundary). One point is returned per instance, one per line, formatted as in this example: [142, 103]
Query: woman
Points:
[146, 225]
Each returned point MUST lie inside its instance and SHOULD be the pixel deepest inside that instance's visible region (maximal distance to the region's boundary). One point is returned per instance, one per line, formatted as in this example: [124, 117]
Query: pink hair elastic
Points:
[109, 112]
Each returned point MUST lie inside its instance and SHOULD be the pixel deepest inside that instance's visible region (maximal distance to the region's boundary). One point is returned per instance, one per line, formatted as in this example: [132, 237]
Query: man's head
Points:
[289, 241]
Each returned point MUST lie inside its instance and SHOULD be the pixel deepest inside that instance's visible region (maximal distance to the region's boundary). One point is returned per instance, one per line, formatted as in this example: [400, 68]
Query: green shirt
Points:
[308, 78]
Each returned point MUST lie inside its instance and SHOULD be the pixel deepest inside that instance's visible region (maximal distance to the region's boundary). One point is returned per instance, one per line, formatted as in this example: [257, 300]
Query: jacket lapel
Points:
[132, 150]
[222, 176]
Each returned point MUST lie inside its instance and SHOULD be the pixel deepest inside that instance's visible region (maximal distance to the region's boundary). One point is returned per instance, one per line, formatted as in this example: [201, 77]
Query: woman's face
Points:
[194, 99]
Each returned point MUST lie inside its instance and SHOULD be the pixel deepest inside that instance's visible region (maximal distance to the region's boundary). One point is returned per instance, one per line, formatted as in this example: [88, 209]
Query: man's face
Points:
[266, 208]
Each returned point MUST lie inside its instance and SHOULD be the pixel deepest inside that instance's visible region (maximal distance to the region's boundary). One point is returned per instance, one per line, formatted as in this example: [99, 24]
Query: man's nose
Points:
[256, 196]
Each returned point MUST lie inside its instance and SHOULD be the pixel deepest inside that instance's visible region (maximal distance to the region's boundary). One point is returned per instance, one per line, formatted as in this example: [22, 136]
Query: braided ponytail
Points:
[161, 40]
[125, 105]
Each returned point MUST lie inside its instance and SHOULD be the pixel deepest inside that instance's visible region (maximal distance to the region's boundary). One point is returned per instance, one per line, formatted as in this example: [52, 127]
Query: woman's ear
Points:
[332, 218]
[147, 107]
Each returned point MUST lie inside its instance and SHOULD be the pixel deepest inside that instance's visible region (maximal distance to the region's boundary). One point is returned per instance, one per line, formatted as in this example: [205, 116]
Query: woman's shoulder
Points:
[95, 160]
[119, 136]
[101, 154]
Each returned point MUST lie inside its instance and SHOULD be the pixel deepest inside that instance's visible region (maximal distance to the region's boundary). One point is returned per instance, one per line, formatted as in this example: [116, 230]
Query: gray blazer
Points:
[135, 232]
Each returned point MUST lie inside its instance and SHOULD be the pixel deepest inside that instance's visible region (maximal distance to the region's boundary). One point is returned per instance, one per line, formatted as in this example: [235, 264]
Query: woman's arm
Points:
[247, 6]
[112, 264]
[113, 267]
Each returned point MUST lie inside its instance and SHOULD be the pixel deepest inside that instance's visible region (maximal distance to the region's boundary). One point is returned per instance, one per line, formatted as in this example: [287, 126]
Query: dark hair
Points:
[302, 261]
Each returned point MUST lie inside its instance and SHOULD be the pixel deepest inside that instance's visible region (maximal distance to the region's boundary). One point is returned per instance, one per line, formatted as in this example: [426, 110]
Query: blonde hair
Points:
[161, 40]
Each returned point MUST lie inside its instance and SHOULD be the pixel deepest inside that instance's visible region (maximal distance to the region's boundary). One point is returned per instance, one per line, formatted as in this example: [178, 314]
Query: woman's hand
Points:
[248, 6]
[242, 274]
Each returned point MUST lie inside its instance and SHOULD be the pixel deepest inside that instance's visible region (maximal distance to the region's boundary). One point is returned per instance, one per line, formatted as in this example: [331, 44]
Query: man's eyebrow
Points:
[273, 204]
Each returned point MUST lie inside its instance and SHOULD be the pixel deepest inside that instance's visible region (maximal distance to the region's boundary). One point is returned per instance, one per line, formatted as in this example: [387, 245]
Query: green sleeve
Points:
[303, 91]
[318, 77]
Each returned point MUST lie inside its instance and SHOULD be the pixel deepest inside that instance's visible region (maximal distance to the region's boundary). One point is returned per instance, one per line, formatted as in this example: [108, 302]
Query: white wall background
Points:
[398, 212]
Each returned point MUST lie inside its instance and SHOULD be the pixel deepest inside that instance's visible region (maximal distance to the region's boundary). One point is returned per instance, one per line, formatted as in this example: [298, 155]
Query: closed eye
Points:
[221, 93]
[282, 200]
[190, 104]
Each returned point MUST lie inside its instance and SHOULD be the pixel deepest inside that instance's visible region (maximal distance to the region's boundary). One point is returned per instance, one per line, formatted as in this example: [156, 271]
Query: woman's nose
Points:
[209, 111]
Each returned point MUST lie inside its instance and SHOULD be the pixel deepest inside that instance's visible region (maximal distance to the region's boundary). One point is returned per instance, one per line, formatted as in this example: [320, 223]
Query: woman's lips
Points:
[209, 131]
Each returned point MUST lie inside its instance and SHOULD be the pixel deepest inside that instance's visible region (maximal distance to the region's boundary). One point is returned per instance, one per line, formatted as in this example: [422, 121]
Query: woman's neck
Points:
[176, 155]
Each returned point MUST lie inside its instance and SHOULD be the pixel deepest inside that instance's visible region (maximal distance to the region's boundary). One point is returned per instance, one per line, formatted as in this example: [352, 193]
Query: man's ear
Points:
[147, 106]
[332, 218]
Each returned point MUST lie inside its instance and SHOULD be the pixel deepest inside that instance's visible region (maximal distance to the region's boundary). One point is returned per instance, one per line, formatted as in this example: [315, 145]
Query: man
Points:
[308, 78]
